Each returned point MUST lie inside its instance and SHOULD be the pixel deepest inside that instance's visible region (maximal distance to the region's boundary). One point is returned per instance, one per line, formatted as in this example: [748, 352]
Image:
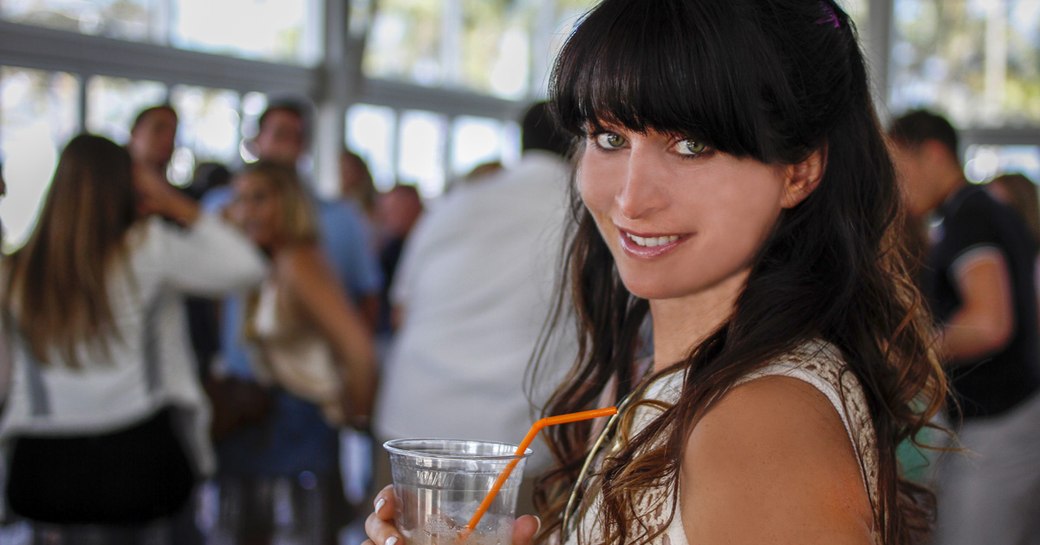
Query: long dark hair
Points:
[57, 284]
[773, 80]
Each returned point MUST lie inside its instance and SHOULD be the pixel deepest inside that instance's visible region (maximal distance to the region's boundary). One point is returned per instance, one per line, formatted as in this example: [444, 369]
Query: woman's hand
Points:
[379, 526]
[381, 530]
[156, 196]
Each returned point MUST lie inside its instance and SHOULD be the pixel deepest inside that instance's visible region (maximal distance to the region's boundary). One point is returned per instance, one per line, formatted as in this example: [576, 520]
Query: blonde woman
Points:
[106, 423]
[310, 344]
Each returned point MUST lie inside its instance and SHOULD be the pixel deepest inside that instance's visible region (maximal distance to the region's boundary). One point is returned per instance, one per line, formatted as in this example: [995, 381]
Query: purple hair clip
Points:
[830, 17]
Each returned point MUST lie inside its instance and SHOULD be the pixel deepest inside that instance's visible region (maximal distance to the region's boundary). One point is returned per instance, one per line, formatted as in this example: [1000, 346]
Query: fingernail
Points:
[392, 540]
[379, 505]
[539, 527]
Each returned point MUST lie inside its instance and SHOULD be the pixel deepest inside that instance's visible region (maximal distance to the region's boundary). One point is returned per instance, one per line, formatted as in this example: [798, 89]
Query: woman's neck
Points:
[682, 324]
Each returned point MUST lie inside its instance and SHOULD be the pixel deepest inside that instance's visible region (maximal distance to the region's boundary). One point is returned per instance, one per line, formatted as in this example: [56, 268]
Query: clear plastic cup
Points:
[439, 484]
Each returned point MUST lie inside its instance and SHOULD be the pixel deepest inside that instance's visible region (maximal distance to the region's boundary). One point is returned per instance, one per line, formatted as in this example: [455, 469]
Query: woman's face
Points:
[256, 208]
[680, 219]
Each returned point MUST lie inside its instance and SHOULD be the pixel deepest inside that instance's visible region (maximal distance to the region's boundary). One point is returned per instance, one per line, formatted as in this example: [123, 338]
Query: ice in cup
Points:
[440, 483]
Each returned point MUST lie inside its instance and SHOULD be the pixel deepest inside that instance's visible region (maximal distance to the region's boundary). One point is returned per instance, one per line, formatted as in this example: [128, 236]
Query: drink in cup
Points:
[440, 483]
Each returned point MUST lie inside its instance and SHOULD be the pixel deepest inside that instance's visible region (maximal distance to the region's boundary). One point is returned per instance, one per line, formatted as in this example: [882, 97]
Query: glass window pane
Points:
[985, 162]
[510, 143]
[495, 47]
[859, 11]
[370, 134]
[285, 30]
[209, 129]
[253, 106]
[113, 103]
[568, 13]
[978, 61]
[405, 42]
[39, 113]
[421, 152]
[475, 140]
[125, 19]
[562, 20]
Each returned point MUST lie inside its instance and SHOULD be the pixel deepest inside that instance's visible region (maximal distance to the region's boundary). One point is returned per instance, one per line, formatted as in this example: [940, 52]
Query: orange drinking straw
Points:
[531, 434]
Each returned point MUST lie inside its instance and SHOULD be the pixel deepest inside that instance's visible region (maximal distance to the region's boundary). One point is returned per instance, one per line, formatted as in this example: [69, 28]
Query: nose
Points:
[642, 192]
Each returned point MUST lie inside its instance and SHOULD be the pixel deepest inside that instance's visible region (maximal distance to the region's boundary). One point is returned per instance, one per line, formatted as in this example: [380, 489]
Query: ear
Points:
[801, 179]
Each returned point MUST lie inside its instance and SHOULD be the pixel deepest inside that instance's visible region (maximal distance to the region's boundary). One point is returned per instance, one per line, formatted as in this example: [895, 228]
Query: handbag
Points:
[129, 476]
[236, 403]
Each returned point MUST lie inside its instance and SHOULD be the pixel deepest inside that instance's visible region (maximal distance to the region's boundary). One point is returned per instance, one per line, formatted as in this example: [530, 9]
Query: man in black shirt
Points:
[979, 281]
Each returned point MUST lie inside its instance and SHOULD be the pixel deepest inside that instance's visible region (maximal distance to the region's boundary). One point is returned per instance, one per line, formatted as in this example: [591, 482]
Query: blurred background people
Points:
[282, 138]
[473, 289]
[1020, 193]
[356, 184]
[294, 442]
[483, 171]
[396, 213]
[978, 278]
[152, 137]
[309, 341]
[208, 175]
[106, 422]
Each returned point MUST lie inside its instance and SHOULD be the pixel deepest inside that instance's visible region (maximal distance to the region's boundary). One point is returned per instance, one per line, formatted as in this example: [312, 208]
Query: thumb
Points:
[525, 529]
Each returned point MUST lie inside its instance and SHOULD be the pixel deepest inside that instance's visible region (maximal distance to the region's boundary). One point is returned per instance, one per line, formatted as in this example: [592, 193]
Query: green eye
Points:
[690, 147]
[610, 140]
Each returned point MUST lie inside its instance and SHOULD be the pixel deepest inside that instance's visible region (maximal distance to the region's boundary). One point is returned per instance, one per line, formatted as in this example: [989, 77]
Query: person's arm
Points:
[985, 321]
[208, 257]
[368, 306]
[773, 463]
[311, 281]
[156, 196]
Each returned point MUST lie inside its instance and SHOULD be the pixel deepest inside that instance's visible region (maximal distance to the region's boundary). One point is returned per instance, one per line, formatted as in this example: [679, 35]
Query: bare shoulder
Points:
[771, 462]
[300, 263]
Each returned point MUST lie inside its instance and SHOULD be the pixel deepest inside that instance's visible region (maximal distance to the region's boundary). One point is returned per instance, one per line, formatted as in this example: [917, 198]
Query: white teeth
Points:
[650, 242]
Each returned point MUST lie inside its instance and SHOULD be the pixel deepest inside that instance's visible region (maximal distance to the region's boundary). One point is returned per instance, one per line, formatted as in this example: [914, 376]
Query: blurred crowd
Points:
[220, 363]
[235, 332]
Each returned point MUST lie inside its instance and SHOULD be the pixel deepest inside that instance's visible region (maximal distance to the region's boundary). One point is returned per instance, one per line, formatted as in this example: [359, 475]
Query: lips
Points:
[648, 246]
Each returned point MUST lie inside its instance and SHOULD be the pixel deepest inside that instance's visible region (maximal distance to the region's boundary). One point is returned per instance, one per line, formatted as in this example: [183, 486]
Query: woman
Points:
[735, 187]
[1020, 193]
[106, 422]
[313, 345]
[356, 182]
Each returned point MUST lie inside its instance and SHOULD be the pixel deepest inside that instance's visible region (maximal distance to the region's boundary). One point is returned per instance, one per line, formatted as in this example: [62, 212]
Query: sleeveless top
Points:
[293, 354]
[817, 363]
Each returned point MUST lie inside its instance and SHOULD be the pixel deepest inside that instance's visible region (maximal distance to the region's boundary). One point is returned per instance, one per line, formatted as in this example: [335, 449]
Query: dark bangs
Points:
[676, 67]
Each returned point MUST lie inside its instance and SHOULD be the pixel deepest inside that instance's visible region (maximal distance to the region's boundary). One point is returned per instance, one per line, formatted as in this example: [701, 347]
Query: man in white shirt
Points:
[473, 289]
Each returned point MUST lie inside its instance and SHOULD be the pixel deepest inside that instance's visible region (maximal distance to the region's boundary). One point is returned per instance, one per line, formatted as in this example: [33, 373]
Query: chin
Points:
[645, 288]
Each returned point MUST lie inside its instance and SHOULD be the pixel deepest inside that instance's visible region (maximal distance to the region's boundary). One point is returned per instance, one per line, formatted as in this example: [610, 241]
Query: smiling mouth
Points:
[649, 246]
[652, 242]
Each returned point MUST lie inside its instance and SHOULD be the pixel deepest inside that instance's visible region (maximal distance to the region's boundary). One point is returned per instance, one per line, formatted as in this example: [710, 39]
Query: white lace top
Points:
[817, 363]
